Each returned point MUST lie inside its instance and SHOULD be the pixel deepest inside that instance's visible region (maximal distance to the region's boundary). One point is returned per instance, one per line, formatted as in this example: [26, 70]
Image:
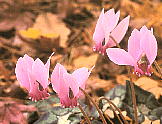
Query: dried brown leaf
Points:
[95, 83]
[11, 111]
[150, 85]
[50, 23]
[85, 61]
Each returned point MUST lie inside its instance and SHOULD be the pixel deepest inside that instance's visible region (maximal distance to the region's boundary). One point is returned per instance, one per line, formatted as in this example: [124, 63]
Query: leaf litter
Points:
[69, 32]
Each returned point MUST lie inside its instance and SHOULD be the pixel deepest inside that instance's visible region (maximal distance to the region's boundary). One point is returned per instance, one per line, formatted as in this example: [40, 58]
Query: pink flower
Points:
[142, 51]
[33, 75]
[106, 28]
[67, 85]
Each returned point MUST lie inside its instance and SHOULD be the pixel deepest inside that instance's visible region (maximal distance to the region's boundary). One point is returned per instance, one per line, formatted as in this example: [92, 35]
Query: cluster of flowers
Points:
[34, 76]
[142, 45]
[142, 51]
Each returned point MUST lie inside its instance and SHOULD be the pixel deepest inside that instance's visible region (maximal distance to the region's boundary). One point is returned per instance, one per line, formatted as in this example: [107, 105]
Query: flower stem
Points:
[133, 97]
[85, 115]
[116, 114]
[132, 87]
[111, 103]
[99, 111]
[158, 68]
[109, 118]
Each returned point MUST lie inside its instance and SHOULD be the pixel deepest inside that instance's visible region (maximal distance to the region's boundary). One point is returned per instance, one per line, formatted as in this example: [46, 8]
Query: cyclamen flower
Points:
[33, 75]
[142, 51]
[107, 29]
[67, 85]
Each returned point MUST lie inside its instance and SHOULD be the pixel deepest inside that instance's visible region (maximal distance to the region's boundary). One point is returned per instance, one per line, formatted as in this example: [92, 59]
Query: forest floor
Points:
[40, 27]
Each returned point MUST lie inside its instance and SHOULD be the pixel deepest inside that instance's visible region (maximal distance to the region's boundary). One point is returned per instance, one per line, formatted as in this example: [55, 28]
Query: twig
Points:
[111, 103]
[85, 115]
[99, 111]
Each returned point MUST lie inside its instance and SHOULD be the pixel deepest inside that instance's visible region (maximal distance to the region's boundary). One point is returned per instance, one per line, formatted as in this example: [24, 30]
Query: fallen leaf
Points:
[46, 41]
[120, 79]
[95, 83]
[150, 85]
[30, 33]
[147, 121]
[85, 61]
[19, 21]
[49, 23]
[75, 52]
[11, 111]
[140, 16]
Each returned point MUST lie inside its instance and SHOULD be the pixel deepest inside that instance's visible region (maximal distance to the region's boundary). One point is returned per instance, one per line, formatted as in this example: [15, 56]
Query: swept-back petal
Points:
[98, 35]
[22, 74]
[134, 44]
[47, 65]
[57, 81]
[81, 75]
[143, 30]
[149, 46]
[110, 20]
[121, 29]
[120, 56]
[110, 43]
[152, 30]
[40, 73]
[24, 65]
[28, 61]
[71, 82]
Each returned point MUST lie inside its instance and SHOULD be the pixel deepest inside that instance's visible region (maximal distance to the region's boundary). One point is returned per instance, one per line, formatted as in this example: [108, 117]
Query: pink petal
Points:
[98, 35]
[120, 56]
[71, 82]
[107, 38]
[47, 65]
[40, 73]
[143, 30]
[57, 81]
[21, 74]
[121, 29]
[110, 20]
[23, 65]
[35, 93]
[152, 30]
[134, 44]
[28, 61]
[81, 75]
[109, 44]
[67, 102]
[149, 46]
